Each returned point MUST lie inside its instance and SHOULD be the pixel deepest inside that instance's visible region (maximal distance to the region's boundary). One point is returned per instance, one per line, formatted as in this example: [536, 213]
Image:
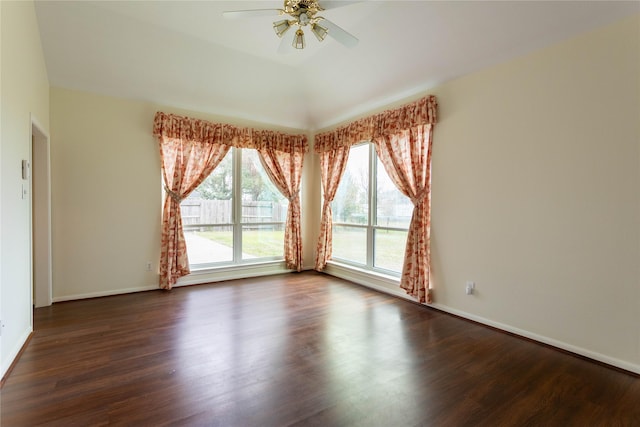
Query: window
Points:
[236, 215]
[370, 215]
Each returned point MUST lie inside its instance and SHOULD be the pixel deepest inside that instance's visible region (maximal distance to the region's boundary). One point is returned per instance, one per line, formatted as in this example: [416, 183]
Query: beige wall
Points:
[312, 207]
[107, 195]
[24, 96]
[105, 190]
[536, 194]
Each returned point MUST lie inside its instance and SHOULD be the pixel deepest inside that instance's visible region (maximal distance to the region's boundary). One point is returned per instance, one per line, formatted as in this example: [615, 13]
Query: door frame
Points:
[40, 215]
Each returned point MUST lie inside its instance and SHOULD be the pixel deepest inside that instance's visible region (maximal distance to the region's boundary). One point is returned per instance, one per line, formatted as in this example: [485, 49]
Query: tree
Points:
[255, 182]
[218, 185]
[252, 183]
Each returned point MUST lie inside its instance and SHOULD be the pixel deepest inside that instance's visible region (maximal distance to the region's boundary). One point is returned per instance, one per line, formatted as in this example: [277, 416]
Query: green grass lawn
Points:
[255, 243]
[349, 244]
[222, 237]
[390, 247]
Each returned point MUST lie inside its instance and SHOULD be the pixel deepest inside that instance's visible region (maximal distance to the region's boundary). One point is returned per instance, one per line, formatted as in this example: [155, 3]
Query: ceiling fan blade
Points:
[235, 14]
[333, 4]
[339, 34]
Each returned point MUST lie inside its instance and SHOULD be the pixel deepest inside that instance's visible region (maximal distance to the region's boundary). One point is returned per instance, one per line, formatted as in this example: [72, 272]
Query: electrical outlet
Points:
[148, 265]
[471, 286]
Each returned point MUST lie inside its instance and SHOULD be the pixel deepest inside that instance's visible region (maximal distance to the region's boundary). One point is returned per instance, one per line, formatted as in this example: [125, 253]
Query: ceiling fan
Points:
[302, 13]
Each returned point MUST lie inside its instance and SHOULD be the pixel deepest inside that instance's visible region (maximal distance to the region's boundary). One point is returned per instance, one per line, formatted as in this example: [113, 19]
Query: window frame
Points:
[371, 227]
[236, 225]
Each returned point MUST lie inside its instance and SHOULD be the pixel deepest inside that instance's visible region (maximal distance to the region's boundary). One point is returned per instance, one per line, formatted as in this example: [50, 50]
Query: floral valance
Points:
[389, 122]
[186, 128]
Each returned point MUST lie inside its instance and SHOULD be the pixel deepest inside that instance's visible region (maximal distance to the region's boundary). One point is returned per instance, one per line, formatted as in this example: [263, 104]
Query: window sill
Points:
[231, 272]
[371, 279]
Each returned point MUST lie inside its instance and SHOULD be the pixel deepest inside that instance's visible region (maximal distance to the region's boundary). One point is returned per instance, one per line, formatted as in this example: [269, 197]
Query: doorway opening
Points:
[41, 269]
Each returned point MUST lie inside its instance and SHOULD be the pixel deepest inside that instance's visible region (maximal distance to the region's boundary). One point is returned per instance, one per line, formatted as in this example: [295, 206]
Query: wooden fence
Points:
[199, 211]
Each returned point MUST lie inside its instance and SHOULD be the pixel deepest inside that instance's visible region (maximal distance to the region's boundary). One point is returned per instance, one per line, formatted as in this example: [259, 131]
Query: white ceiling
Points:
[185, 54]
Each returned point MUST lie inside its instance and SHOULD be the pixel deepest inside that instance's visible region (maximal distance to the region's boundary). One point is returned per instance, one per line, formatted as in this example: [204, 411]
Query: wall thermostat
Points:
[25, 169]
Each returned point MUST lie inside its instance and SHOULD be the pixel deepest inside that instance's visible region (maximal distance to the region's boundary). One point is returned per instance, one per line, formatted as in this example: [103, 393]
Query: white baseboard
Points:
[104, 293]
[389, 286]
[631, 367]
[197, 277]
[14, 352]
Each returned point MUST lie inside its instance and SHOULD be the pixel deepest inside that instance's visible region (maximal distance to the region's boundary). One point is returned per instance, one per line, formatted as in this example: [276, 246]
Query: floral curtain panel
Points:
[332, 166]
[406, 157]
[285, 171]
[190, 149]
[185, 164]
[403, 139]
[282, 157]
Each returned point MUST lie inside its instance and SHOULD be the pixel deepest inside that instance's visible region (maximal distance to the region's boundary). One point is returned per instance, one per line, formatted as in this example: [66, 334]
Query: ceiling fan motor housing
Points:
[297, 8]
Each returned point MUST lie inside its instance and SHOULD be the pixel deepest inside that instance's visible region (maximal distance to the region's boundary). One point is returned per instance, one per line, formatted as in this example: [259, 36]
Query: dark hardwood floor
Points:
[296, 349]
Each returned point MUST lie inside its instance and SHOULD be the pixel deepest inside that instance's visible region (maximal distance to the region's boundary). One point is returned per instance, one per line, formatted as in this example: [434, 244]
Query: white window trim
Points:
[368, 278]
[370, 228]
[227, 269]
[231, 272]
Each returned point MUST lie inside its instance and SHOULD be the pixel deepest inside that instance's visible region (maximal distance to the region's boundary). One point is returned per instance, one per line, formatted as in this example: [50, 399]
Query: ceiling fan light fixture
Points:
[319, 31]
[298, 40]
[281, 27]
[300, 14]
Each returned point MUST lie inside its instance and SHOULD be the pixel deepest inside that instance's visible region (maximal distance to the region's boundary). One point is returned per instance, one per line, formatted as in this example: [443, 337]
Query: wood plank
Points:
[296, 349]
